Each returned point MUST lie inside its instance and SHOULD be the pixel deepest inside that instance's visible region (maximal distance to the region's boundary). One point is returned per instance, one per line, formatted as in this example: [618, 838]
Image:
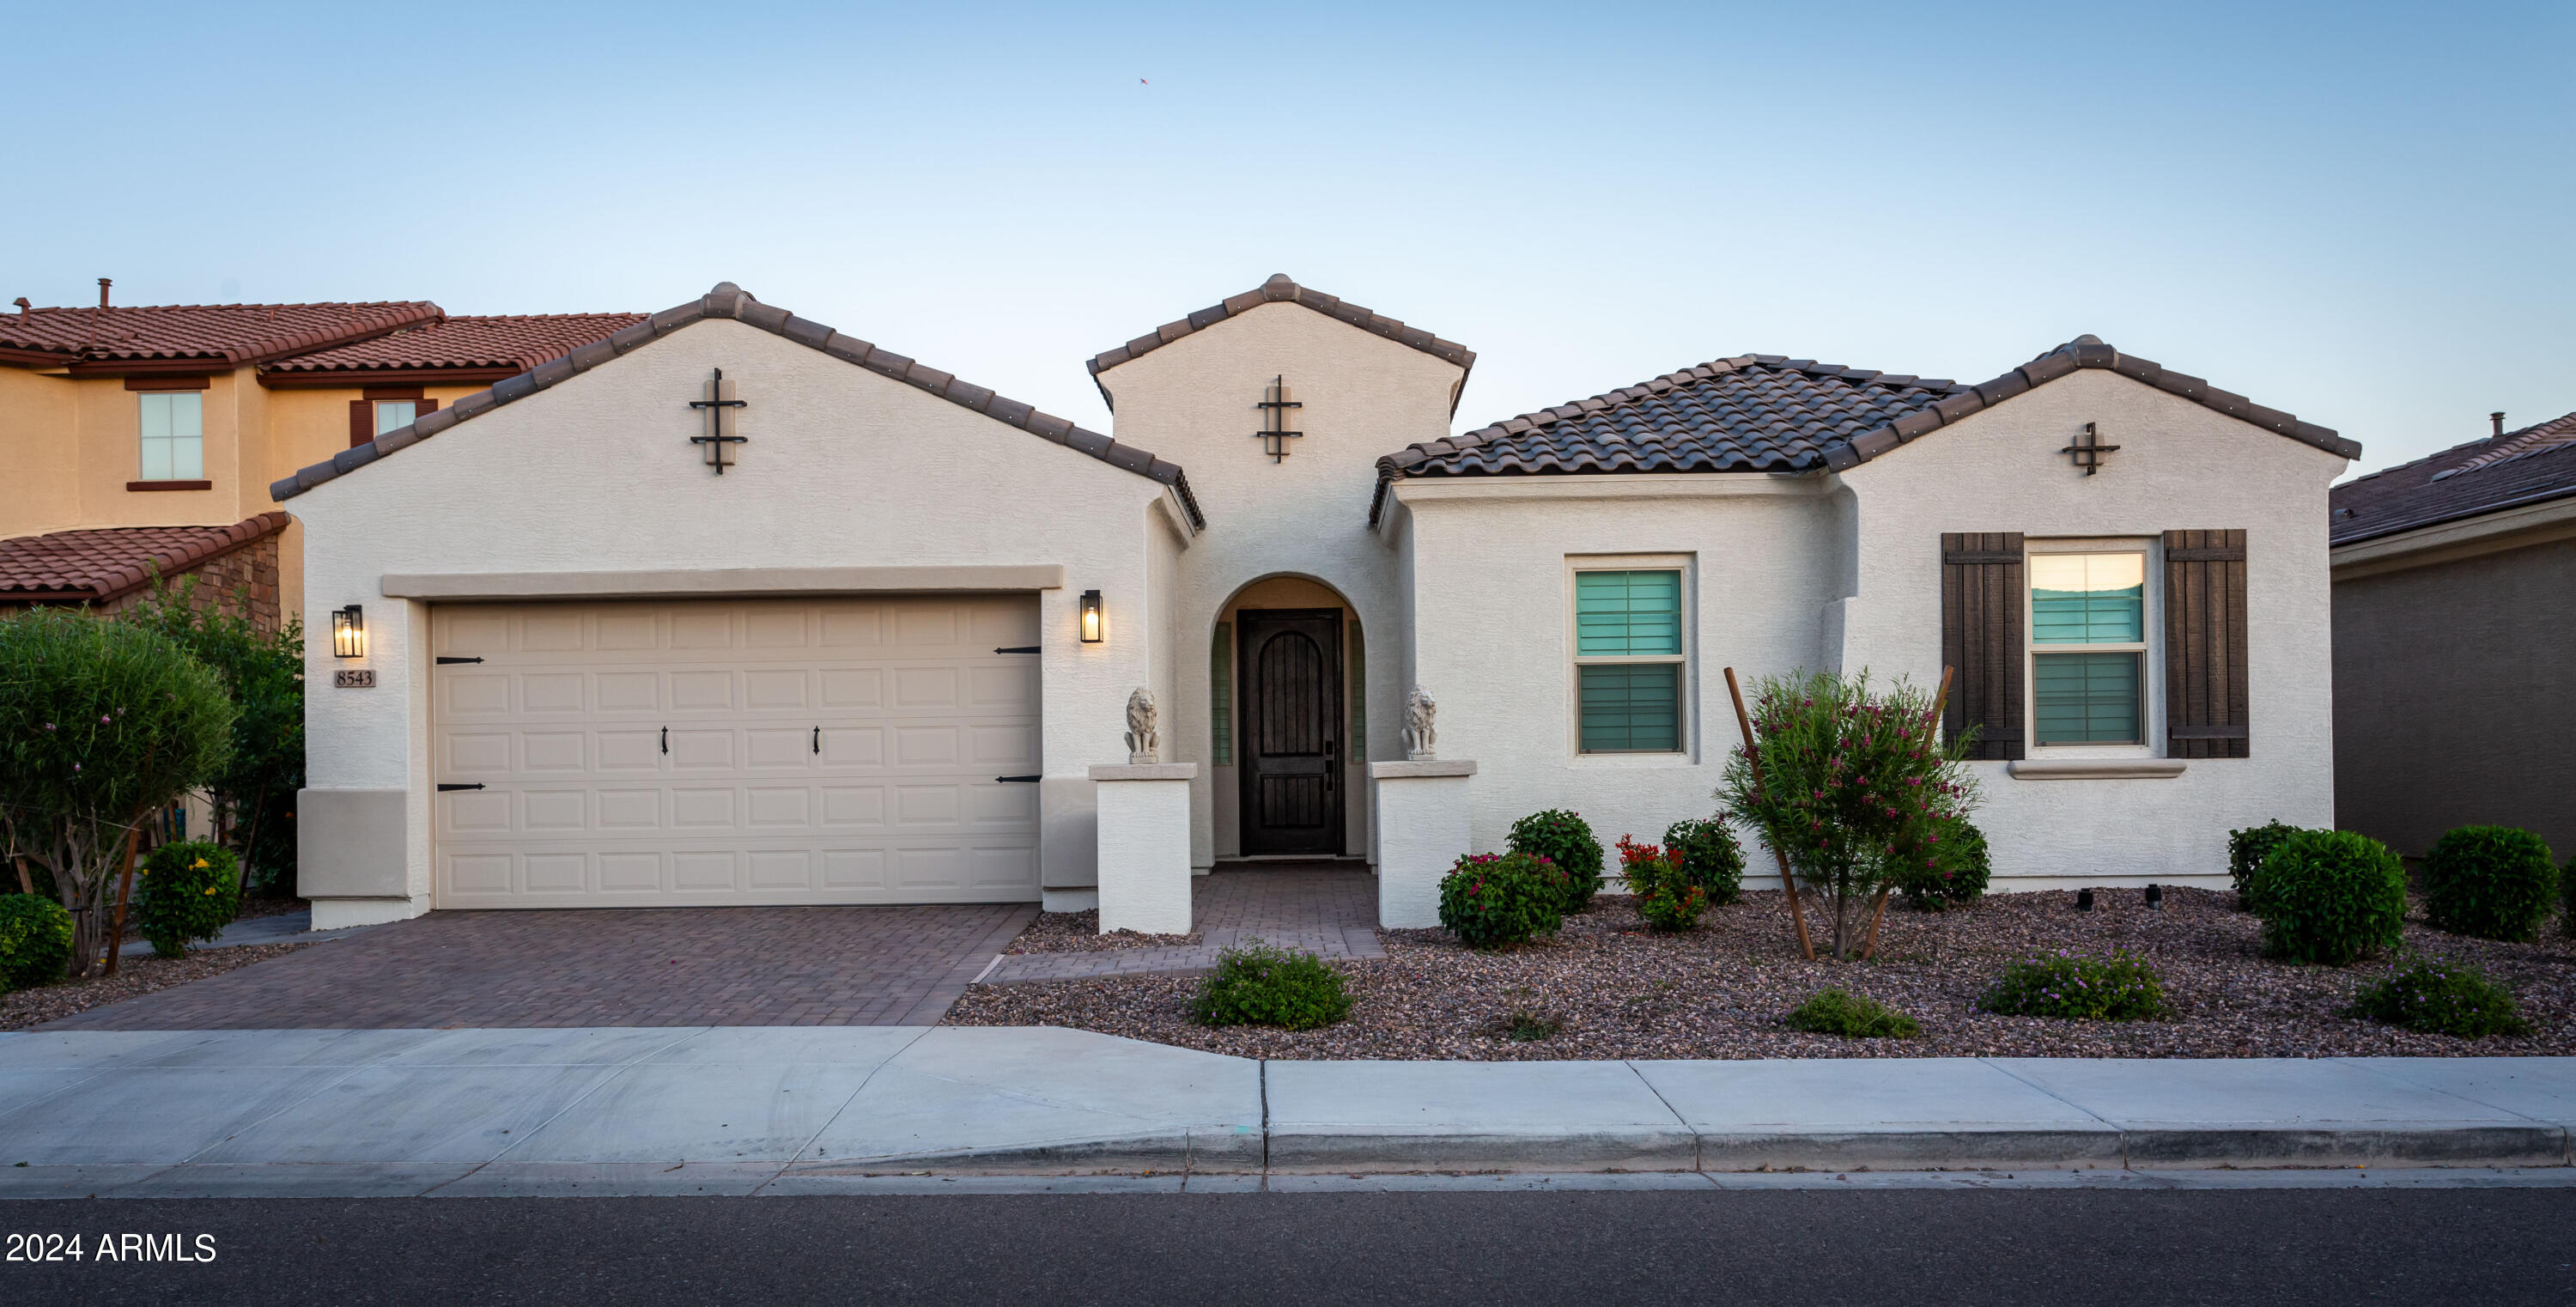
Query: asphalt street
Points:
[1806, 1247]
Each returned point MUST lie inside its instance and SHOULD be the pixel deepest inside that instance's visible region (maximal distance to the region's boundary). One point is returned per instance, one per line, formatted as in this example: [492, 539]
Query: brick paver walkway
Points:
[1320, 909]
[830, 966]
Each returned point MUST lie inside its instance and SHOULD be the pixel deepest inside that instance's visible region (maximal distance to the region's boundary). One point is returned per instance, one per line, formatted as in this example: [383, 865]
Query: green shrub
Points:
[263, 673]
[35, 941]
[2493, 882]
[1710, 857]
[2120, 987]
[2440, 998]
[1666, 898]
[1564, 839]
[1262, 986]
[1955, 874]
[2246, 850]
[2330, 897]
[1834, 1012]
[1491, 899]
[184, 892]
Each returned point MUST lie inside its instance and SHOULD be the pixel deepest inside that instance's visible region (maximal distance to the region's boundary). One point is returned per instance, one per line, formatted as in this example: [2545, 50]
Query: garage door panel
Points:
[763, 702]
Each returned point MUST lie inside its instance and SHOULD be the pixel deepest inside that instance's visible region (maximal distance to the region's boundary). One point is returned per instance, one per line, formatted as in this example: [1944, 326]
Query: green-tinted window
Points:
[2088, 598]
[1631, 707]
[1627, 614]
[2086, 698]
[1221, 696]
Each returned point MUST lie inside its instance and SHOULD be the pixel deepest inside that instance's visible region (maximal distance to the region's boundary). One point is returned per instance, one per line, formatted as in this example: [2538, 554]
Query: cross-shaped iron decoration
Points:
[2088, 449]
[719, 398]
[1274, 420]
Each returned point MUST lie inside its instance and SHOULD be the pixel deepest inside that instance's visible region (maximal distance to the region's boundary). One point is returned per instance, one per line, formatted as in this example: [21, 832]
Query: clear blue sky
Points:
[2357, 212]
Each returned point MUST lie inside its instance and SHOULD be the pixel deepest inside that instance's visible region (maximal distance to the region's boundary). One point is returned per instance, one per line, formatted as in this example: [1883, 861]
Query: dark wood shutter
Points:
[1981, 636]
[362, 422]
[2205, 677]
[423, 409]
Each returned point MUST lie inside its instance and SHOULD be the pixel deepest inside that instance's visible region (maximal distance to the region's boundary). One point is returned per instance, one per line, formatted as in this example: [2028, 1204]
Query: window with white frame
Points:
[2088, 647]
[174, 435]
[395, 414]
[1629, 649]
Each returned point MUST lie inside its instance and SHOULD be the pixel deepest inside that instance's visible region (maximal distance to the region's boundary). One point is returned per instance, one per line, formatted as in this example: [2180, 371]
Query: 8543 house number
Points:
[354, 678]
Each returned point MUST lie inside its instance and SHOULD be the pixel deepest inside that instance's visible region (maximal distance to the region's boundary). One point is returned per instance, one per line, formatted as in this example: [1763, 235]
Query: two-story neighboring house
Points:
[142, 439]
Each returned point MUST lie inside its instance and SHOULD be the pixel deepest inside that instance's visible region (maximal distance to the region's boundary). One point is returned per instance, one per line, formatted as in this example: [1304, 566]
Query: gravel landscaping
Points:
[1079, 932]
[135, 976]
[1614, 990]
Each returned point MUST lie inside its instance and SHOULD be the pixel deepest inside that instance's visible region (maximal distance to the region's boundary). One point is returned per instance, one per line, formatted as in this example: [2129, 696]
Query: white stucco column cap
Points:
[1144, 771]
[1389, 771]
[2094, 769]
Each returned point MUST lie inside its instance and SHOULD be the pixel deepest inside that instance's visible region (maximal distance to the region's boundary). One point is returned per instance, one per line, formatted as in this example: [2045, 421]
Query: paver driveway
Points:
[828, 966]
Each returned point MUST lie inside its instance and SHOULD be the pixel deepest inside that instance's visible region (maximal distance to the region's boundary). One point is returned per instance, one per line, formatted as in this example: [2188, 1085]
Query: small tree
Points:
[101, 722]
[253, 796]
[1852, 787]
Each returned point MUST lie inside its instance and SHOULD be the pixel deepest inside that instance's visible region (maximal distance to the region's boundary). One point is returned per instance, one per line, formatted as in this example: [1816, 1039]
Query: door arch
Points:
[1294, 795]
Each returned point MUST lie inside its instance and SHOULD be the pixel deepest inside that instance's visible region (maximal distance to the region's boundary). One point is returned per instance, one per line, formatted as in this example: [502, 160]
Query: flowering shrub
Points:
[1953, 877]
[1491, 899]
[1666, 898]
[1263, 986]
[35, 941]
[1565, 839]
[2494, 882]
[1852, 787]
[1852, 1016]
[2330, 897]
[185, 891]
[2441, 998]
[2246, 850]
[2120, 987]
[1710, 858]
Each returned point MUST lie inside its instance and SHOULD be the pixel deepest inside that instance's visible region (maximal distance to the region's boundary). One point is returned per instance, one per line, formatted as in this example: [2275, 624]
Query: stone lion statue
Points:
[1143, 743]
[1421, 738]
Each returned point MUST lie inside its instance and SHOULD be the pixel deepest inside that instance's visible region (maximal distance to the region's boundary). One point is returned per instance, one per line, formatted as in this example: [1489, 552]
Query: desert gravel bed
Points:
[1079, 932]
[1721, 991]
[135, 977]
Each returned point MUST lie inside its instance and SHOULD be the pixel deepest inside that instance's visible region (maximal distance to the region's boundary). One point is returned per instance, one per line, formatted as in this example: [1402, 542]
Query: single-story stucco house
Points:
[734, 608]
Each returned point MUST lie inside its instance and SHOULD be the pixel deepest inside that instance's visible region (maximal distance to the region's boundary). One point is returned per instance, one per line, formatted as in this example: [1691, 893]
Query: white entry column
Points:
[1144, 815]
[1421, 833]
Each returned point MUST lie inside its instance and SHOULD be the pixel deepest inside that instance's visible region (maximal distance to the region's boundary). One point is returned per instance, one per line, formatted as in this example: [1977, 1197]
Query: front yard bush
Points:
[1666, 897]
[2120, 987]
[1256, 985]
[1852, 1016]
[35, 941]
[1489, 900]
[2441, 998]
[1954, 875]
[2494, 882]
[1710, 857]
[1565, 839]
[184, 892]
[2246, 850]
[2330, 897]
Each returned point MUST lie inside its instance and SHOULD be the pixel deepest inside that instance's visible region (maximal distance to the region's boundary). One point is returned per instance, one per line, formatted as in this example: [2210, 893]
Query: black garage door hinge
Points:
[1019, 778]
[1019, 648]
[445, 661]
[474, 786]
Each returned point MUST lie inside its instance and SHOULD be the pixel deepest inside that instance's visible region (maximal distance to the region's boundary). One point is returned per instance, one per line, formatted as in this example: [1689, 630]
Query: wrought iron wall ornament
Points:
[1143, 744]
[720, 397]
[1274, 406]
[1421, 737]
[2088, 449]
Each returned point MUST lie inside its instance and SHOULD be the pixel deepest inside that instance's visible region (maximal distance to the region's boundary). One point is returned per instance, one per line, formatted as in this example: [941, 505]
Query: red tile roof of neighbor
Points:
[222, 336]
[513, 344]
[102, 563]
[2530, 466]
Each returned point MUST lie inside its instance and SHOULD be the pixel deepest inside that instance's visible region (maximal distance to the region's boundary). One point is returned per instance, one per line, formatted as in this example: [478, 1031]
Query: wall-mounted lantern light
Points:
[348, 632]
[1091, 619]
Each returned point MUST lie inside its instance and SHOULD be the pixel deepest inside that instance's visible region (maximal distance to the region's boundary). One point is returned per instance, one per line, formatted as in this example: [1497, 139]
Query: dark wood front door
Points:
[1292, 732]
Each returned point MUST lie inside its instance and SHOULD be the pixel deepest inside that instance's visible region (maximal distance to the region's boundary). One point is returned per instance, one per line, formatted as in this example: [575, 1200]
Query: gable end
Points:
[1280, 290]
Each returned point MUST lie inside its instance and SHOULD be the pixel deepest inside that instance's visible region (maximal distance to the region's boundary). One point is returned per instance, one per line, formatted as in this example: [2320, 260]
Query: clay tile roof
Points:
[2533, 465]
[102, 563]
[219, 335]
[1280, 290]
[728, 300]
[1772, 413]
[515, 343]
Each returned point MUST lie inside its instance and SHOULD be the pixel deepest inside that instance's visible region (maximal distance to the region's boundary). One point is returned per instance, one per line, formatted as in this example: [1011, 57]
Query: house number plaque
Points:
[356, 678]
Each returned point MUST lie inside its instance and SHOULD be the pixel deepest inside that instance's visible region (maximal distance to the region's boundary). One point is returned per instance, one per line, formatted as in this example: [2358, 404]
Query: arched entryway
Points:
[1289, 722]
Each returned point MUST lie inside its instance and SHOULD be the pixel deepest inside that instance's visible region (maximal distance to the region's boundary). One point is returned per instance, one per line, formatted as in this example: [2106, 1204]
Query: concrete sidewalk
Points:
[802, 1109]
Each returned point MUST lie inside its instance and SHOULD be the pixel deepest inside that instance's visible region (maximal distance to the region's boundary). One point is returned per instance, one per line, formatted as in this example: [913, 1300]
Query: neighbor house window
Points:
[395, 414]
[1628, 661]
[174, 436]
[2088, 647]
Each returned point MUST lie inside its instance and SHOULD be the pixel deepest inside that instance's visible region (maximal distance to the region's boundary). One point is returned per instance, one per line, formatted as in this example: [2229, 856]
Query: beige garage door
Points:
[756, 751]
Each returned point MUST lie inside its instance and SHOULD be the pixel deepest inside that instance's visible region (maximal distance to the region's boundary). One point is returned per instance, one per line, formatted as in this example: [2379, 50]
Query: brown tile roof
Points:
[728, 300]
[103, 563]
[505, 345]
[1771, 413]
[172, 336]
[2530, 466]
[1280, 290]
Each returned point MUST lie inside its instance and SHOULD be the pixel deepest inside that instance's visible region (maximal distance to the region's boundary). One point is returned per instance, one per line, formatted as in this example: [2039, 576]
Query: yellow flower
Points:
[201, 862]
[210, 889]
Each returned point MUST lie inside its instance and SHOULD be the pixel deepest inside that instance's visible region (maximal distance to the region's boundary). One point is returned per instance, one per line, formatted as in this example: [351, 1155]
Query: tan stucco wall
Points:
[302, 428]
[39, 445]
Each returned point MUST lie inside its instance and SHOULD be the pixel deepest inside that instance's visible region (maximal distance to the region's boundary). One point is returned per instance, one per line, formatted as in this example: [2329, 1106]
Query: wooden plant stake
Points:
[26, 885]
[1939, 705]
[1788, 885]
[124, 892]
